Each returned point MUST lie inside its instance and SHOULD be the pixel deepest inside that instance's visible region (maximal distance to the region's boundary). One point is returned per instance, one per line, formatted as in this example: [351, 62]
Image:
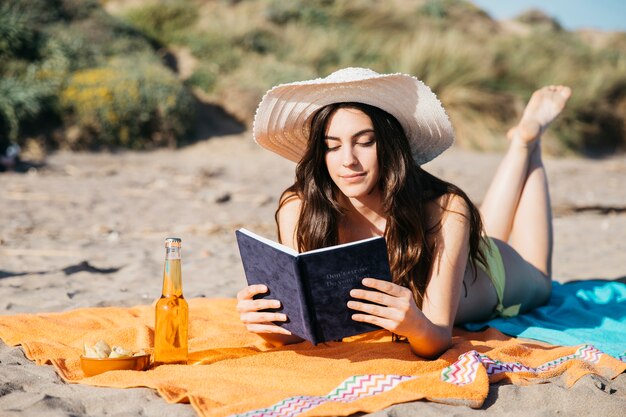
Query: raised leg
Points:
[531, 234]
[516, 208]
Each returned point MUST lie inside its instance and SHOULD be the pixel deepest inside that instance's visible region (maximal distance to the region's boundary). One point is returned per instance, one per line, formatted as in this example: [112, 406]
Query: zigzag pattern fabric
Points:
[464, 370]
[461, 372]
[353, 388]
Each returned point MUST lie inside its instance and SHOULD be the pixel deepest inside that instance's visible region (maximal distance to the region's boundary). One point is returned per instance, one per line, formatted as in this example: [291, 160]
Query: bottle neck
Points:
[172, 274]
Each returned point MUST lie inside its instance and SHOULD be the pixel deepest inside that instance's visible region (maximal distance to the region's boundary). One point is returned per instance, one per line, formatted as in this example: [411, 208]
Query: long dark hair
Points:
[405, 191]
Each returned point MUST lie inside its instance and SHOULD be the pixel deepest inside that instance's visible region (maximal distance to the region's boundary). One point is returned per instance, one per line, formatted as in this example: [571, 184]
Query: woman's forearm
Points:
[430, 341]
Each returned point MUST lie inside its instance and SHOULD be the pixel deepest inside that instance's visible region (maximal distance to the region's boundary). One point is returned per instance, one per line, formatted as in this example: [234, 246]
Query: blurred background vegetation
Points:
[89, 74]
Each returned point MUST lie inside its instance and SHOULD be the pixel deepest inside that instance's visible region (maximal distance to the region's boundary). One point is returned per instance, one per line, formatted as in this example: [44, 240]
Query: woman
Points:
[359, 139]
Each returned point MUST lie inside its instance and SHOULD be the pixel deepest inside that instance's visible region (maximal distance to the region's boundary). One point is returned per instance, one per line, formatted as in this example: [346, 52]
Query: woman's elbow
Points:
[430, 351]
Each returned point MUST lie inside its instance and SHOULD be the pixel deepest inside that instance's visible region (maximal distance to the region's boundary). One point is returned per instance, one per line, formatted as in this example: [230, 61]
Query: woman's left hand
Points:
[396, 312]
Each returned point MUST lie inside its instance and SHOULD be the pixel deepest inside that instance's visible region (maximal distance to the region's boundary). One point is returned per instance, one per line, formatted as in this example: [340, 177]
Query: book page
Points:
[269, 242]
[343, 245]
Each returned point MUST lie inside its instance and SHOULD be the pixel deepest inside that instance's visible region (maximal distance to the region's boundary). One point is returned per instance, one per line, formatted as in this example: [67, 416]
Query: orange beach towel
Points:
[233, 372]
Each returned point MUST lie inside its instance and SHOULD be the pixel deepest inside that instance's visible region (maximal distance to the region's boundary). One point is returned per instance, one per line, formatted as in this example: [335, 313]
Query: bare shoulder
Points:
[289, 205]
[448, 208]
[287, 218]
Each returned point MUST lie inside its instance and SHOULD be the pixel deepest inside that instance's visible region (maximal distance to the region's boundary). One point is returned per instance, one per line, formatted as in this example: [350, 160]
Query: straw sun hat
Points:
[283, 118]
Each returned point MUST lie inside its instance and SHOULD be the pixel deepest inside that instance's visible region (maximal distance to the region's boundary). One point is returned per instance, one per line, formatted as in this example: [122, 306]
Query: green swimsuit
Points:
[495, 270]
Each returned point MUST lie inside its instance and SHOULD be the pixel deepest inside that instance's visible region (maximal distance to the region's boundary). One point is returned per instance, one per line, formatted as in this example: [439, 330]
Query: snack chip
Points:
[120, 352]
[102, 350]
[89, 352]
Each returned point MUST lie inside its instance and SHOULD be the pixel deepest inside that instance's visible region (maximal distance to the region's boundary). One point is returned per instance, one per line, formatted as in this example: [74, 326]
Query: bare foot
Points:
[543, 107]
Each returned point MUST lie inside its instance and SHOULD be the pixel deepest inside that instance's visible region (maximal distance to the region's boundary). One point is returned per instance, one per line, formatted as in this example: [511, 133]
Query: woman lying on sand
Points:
[359, 138]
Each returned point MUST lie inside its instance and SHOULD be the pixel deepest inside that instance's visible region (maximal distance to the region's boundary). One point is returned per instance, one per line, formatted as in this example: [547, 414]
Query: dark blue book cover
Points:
[314, 287]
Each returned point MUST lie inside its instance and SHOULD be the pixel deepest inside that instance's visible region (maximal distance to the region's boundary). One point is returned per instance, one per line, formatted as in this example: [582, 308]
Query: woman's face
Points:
[351, 156]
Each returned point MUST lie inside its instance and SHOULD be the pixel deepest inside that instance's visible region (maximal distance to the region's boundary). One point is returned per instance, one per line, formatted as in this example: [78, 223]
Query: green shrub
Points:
[15, 33]
[330, 50]
[22, 98]
[259, 40]
[205, 77]
[311, 12]
[434, 9]
[56, 64]
[162, 20]
[91, 41]
[215, 48]
[132, 102]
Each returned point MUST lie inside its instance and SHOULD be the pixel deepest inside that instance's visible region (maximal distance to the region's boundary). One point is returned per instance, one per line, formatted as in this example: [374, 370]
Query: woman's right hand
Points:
[257, 321]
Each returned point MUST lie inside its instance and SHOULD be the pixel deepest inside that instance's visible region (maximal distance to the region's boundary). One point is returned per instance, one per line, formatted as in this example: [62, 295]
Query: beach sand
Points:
[88, 230]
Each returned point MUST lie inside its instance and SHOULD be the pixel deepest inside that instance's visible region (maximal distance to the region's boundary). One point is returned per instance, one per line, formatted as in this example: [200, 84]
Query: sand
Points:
[88, 230]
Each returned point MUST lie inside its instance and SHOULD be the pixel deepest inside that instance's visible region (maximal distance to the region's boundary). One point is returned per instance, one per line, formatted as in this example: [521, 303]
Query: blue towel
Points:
[583, 312]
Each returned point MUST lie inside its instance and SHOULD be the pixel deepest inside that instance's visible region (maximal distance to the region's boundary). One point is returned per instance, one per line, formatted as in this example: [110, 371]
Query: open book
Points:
[314, 287]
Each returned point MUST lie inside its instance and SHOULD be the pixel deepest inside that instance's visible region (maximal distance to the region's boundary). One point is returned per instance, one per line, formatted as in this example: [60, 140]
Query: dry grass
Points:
[482, 72]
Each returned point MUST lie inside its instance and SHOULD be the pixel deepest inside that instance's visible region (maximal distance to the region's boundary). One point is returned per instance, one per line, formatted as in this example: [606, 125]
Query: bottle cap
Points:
[172, 241]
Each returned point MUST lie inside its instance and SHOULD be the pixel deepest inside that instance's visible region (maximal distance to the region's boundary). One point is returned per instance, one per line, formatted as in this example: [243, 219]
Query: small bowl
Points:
[95, 366]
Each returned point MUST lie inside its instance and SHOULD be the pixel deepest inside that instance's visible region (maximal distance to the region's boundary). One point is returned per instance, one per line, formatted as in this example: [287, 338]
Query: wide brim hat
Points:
[283, 118]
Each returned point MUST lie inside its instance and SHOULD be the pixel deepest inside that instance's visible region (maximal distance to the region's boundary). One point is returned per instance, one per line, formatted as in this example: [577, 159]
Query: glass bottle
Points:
[172, 311]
